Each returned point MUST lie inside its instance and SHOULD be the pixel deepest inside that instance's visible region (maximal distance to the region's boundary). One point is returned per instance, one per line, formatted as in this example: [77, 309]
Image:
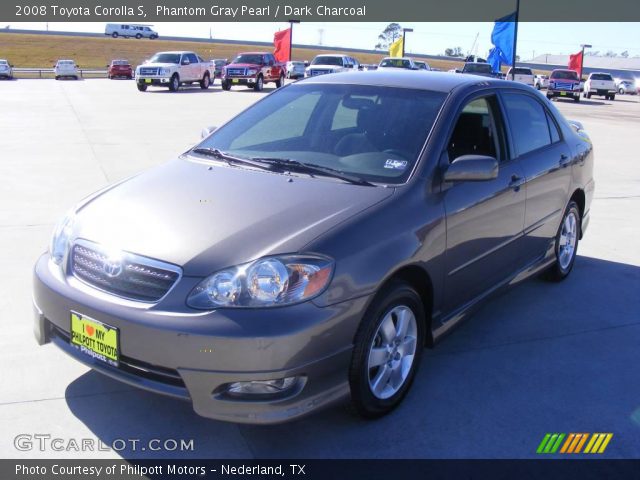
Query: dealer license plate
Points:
[562, 94]
[95, 338]
[235, 80]
[147, 80]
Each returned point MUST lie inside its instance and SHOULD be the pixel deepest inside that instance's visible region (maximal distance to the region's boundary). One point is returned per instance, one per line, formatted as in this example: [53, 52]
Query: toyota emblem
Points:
[112, 268]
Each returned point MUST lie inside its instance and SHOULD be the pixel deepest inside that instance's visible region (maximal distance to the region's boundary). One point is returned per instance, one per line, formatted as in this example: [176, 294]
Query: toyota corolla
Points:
[310, 248]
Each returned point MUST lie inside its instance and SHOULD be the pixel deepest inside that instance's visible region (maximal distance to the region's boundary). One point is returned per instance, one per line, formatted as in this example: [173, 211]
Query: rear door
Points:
[484, 219]
[545, 159]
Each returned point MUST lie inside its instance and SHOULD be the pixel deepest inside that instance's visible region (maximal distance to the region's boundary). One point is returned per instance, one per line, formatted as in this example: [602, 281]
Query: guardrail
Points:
[48, 72]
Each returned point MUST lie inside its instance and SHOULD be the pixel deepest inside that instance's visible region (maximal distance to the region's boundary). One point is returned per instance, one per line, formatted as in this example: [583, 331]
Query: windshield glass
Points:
[252, 58]
[327, 61]
[373, 132]
[601, 76]
[565, 75]
[165, 58]
[395, 62]
[120, 62]
[477, 68]
[3, 62]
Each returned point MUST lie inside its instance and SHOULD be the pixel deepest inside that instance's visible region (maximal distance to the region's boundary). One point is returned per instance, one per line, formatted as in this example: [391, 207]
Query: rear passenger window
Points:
[528, 121]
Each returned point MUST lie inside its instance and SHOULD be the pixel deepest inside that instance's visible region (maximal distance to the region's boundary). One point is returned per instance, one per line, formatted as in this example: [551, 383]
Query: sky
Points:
[430, 38]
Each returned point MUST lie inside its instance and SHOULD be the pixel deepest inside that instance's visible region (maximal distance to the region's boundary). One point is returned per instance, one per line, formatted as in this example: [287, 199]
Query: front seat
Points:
[362, 141]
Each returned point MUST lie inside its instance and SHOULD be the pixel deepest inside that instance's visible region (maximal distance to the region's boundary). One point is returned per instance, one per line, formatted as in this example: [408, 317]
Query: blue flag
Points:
[502, 37]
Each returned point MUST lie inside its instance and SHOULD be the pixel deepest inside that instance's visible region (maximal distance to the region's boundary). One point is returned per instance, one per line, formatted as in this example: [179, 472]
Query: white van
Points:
[130, 30]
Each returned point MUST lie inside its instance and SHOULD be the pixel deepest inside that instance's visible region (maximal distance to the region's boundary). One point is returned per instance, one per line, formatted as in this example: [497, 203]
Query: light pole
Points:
[291, 22]
[404, 37]
[583, 46]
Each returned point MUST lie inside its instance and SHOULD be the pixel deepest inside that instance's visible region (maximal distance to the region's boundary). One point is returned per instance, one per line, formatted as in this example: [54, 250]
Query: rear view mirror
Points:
[472, 168]
[207, 131]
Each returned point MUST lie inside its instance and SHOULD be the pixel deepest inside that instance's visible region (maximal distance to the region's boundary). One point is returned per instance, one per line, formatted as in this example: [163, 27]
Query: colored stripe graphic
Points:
[598, 443]
[550, 443]
[574, 442]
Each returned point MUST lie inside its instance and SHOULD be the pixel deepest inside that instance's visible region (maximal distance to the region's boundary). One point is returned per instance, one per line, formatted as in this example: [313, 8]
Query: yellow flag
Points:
[395, 49]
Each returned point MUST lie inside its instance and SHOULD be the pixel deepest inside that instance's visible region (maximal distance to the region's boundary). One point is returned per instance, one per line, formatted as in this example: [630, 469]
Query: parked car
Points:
[477, 68]
[295, 69]
[119, 69]
[541, 81]
[130, 30]
[626, 87]
[404, 63]
[369, 66]
[6, 69]
[66, 69]
[422, 65]
[253, 70]
[522, 75]
[219, 64]
[172, 69]
[323, 64]
[310, 247]
[564, 83]
[601, 84]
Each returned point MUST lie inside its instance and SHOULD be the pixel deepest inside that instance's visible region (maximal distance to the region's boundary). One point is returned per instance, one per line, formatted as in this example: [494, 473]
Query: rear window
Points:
[521, 71]
[120, 62]
[565, 75]
[601, 76]
[327, 61]
[477, 68]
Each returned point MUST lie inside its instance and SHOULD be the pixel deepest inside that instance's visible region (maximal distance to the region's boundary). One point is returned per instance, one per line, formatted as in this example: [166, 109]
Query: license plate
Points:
[235, 80]
[95, 338]
[562, 94]
[147, 80]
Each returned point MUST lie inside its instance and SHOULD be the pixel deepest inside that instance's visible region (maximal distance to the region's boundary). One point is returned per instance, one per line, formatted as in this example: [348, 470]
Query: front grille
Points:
[236, 72]
[314, 72]
[131, 276]
[148, 71]
[564, 86]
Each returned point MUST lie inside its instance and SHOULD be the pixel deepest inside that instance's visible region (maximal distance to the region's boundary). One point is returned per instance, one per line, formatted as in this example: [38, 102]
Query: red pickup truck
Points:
[253, 69]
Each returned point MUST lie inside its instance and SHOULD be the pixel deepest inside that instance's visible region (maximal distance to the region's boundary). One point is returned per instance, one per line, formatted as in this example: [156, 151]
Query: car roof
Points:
[599, 73]
[253, 53]
[563, 70]
[434, 81]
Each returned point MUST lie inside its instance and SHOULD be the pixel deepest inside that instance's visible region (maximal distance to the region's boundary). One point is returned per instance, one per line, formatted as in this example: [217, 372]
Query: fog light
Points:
[258, 388]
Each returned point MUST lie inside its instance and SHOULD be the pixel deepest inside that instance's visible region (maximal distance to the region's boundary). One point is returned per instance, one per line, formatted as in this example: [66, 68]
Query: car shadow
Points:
[186, 90]
[520, 366]
[582, 101]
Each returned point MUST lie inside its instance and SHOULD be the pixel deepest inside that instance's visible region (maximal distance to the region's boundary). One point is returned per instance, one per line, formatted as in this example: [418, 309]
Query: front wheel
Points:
[613, 97]
[387, 351]
[205, 82]
[141, 87]
[114, 34]
[174, 83]
[280, 81]
[259, 85]
[138, 36]
[226, 85]
[576, 99]
[566, 244]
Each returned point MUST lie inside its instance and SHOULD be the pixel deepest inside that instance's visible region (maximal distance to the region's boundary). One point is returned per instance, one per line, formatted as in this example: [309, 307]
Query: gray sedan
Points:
[310, 248]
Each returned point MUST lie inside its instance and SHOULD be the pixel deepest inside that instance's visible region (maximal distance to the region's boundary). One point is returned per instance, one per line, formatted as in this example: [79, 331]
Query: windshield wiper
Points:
[312, 168]
[230, 159]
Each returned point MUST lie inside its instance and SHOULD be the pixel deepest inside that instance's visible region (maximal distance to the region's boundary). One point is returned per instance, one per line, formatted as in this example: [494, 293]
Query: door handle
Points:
[516, 182]
[564, 161]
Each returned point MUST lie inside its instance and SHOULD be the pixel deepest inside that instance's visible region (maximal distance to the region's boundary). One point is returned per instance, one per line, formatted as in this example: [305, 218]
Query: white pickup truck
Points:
[522, 75]
[172, 69]
[601, 84]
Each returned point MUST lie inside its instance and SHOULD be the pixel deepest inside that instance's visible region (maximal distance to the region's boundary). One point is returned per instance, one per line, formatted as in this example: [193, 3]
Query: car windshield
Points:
[327, 61]
[477, 68]
[373, 132]
[66, 63]
[3, 62]
[565, 75]
[255, 59]
[601, 76]
[165, 58]
[395, 63]
[120, 62]
[219, 63]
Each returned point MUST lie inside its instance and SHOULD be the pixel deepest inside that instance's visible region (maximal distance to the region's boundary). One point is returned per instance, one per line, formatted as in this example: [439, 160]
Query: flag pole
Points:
[515, 42]
[291, 22]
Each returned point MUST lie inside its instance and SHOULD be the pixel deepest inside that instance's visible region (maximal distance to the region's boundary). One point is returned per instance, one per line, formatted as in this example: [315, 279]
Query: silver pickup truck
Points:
[172, 69]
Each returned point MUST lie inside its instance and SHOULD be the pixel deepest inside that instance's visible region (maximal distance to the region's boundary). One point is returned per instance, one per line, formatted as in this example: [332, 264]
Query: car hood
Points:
[243, 65]
[204, 216]
[324, 67]
[152, 65]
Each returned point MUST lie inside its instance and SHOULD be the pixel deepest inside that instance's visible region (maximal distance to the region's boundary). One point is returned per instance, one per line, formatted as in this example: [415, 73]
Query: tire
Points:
[205, 82]
[141, 87]
[576, 99]
[380, 358]
[280, 81]
[226, 85]
[613, 97]
[566, 257]
[174, 83]
[153, 37]
[288, 74]
[75, 77]
[538, 86]
[114, 34]
[621, 91]
[259, 85]
[588, 95]
[57, 77]
[138, 36]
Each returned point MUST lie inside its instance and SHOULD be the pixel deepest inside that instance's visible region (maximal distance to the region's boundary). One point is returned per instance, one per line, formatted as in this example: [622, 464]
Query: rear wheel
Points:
[138, 36]
[141, 87]
[588, 95]
[259, 85]
[114, 34]
[576, 99]
[566, 246]
[387, 352]
[174, 83]
[205, 82]
[613, 97]
[280, 82]
[226, 85]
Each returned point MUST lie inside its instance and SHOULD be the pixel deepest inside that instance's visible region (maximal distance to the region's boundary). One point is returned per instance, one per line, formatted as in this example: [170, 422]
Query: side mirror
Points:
[185, 62]
[472, 168]
[207, 131]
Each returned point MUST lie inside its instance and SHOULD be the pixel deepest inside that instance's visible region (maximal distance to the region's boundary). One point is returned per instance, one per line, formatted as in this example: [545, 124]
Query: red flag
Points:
[282, 44]
[575, 62]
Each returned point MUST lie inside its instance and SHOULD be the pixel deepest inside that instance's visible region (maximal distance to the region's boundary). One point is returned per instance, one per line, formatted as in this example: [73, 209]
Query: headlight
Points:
[164, 71]
[268, 282]
[252, 71]
[61, 238]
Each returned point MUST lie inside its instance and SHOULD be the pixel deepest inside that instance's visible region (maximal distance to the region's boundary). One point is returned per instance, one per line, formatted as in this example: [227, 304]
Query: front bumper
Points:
[192, 355]
[239, 80]
[563, 93]
[155, 81]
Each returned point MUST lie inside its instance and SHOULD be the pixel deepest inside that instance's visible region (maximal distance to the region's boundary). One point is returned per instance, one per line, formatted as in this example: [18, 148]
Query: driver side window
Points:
[475, 131]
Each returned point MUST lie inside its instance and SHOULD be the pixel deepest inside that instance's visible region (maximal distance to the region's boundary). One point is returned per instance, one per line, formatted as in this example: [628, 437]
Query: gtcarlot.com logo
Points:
[574, 443]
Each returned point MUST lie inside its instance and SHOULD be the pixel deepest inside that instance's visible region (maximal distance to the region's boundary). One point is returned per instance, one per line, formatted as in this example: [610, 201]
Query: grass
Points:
[42, 51]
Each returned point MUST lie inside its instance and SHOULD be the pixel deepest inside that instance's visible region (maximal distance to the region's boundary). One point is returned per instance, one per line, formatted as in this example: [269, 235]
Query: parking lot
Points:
[541, 358]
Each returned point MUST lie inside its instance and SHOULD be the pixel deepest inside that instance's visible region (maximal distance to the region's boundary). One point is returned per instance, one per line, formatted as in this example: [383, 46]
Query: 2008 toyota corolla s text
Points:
[311, 247]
